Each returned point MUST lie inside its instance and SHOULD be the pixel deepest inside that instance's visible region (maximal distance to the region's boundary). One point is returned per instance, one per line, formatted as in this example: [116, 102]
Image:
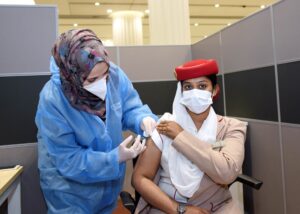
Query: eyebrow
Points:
[92, 77]
[201, 81]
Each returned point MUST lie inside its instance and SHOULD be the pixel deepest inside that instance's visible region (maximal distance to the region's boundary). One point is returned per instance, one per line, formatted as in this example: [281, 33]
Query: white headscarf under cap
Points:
[186, 176]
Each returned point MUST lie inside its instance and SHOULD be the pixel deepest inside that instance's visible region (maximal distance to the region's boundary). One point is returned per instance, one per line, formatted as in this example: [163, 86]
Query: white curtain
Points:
[127, 28]
[169, 22]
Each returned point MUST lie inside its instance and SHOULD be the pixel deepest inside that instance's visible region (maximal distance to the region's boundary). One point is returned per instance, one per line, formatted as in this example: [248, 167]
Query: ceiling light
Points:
[147, 11]
[217, 5]
[75, 25]
[97, 4]
[228, 24]
[262, 6]
[109, 10]
[205, 36]
[196, 24]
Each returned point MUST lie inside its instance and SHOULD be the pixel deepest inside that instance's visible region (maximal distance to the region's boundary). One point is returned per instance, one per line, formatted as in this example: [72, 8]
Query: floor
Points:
[120, 209]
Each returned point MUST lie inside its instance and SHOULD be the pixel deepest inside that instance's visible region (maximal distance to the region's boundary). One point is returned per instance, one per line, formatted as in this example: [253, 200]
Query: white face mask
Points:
[196, 100]
[98, 88]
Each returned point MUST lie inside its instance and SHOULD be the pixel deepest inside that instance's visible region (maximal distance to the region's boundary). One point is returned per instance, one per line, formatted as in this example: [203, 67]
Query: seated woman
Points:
[194, 153]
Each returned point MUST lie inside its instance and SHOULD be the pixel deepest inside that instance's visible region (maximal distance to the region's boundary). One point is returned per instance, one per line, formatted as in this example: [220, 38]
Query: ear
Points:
[216, 92]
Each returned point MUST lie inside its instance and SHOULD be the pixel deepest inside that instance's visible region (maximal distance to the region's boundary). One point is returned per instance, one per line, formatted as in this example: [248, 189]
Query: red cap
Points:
[196, 68]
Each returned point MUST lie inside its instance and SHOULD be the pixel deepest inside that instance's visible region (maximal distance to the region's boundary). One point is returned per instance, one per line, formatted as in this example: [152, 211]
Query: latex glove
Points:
[148, 125]
[134, 150]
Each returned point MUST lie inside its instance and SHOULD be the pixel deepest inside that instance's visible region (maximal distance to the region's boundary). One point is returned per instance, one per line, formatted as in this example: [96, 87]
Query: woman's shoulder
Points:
[230, 121]
[51, 94]
[228, 126]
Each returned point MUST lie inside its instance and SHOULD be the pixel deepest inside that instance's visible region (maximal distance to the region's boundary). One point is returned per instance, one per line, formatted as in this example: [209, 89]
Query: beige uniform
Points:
[221, 166]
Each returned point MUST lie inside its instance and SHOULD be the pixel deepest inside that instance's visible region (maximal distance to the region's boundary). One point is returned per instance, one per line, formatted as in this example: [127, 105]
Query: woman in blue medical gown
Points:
[81, 114]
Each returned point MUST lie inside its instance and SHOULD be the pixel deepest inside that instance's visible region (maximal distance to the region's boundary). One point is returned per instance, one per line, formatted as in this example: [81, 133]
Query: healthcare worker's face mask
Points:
[196, 100]
[98, 88]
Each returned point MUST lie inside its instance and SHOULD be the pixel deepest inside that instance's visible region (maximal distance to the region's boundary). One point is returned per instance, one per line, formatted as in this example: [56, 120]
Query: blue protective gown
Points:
[78, 152]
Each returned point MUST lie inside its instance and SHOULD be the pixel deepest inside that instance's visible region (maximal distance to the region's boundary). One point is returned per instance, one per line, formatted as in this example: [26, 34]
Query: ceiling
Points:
[205, 18]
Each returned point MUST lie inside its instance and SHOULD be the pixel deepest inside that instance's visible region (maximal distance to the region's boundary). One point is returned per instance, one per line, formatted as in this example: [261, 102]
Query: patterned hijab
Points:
[76, 52]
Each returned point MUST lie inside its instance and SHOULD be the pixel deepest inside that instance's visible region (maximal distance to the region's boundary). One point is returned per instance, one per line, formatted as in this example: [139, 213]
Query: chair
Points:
[130, 203]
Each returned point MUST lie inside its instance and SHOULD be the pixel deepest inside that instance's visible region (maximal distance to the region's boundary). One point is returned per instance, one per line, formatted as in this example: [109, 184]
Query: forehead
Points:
[196, 80]
[99, 69]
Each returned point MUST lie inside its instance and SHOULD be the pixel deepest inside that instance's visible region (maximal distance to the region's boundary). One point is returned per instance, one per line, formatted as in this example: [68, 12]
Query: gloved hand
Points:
[137, 147]
[148, 125]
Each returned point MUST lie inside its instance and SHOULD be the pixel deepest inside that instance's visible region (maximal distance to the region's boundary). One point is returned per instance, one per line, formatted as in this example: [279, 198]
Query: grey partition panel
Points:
[289, 87]
[291, 148]
[248, 44]
[252, 94]
[27, 36]
[153, 63]
[32, 200]
[262, 161]
[287, 30]
[158, 96]
[113, 54]
[208, 48]
[19, 98]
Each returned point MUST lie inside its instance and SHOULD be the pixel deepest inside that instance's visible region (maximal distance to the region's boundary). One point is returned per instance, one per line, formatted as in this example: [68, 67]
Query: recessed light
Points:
[196, 24]
[75, 25]
[147, 11]
[217, 5]
[109, 10]
[205, 36]
[262, 6]
[229, 24]
[97, 4]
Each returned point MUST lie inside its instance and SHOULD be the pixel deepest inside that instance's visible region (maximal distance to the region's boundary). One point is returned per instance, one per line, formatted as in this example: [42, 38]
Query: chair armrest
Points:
[252, 182]
[127, 201]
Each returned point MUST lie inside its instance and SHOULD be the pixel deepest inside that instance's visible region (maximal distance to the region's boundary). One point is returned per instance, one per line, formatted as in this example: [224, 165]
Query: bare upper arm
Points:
[148, 162]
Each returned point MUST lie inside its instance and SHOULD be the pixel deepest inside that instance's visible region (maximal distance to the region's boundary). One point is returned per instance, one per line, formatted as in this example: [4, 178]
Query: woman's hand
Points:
[169, 128]
[195, 210]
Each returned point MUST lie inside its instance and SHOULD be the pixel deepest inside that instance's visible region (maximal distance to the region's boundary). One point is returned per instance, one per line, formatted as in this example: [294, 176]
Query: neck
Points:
[198, 118]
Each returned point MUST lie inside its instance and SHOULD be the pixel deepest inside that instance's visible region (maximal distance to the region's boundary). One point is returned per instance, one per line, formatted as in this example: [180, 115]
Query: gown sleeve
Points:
[72, 160]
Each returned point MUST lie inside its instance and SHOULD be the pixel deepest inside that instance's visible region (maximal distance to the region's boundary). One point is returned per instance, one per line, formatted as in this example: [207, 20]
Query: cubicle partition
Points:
[26, 37]
[151, 70]
[260, 63]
